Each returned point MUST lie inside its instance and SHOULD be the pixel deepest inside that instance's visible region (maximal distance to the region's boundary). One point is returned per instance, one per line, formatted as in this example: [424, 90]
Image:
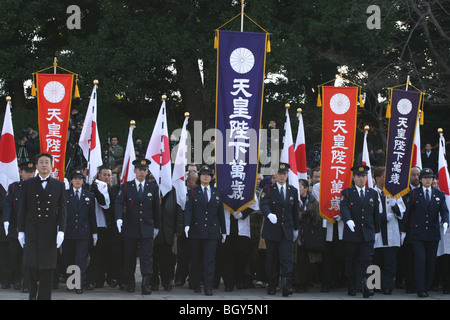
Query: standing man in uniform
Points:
[27, 170]
[280, 207]
[360, 212]
[204, 226]
[41, 226]
[422, 225]
[81, 225]
[138, 218]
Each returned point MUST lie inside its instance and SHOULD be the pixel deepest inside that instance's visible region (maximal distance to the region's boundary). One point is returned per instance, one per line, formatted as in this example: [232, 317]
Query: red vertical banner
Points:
[54, 97]
[338, 144]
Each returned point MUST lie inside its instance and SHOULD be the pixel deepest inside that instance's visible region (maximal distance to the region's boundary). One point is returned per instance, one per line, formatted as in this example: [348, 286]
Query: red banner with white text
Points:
[338, 144]
[54, 97]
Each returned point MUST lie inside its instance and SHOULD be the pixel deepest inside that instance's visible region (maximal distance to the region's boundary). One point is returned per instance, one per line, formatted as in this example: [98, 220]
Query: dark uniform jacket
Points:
[170, 215]
[287, 212]
[81, 220]
[421, 221]
[11, 207]
[365, 214]
[42, 213]
[206, 220]
[140, 215]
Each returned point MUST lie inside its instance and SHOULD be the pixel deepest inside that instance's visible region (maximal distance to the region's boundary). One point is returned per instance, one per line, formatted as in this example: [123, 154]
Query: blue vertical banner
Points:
[402, 124]
[241, 58]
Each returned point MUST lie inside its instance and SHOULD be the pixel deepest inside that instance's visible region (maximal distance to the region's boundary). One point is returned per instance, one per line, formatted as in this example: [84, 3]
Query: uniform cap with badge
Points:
[283, 167]
[141, 163]
[205, 170]
[77, 174]
[360, 169]
[426, 173]
[27, 166]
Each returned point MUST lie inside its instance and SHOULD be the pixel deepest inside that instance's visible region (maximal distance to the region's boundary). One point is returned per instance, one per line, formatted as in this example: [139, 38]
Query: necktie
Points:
[428, 196]
[282, 194]
[77, 193]
[361, 194]
[205, 194]
[45, 180]
[140, 189]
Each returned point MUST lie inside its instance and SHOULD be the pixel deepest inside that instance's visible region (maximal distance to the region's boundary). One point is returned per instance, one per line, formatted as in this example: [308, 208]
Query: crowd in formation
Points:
[280, 241]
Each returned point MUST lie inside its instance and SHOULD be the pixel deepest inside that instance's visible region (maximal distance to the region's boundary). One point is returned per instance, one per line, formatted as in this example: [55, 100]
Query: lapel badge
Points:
[149, 194]
[217, 198]
[342, 198]
[87, 199]
[262, 195]
[291, 198]
[371, 200]
[437, 199]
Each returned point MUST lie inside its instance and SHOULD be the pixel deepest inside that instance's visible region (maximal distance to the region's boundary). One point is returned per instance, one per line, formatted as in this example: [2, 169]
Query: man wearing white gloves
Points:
[424, 208]
[138, 218]
[280, 207]
[41, 226]
[360, 212]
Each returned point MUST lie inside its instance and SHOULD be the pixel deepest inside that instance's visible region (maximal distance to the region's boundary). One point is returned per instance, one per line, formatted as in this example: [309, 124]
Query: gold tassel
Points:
[388, 111]
[77, 92]
[216, 40]
[33, 90]
[268, 48]
[361, 104]
[319, 100]
[421, 118]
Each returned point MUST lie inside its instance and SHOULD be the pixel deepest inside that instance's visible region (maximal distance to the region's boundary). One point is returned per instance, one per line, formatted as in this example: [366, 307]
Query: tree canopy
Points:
[140, 50]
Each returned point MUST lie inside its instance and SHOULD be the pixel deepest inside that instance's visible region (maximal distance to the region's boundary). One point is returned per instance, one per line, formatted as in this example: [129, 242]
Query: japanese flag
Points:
[158, 152]
[366, 161]
[443, 177]
[288, 154]
[89, 138]
[179, 169]
[300, 149]
[9, 171]
[416, 157]
[130, 155]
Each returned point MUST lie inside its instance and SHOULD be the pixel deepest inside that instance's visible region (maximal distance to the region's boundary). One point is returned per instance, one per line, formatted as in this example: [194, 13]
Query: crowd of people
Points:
[277, 242]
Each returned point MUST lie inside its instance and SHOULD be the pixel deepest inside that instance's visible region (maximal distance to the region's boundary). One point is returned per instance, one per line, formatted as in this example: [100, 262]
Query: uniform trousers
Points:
[40, 283]
[236, 253]
[133, 248]
[424, 263]
[163, 264]
[278, 253]
[359, 256]
[75, 252]
[203, 258]
[15, 259]
[100, 259]
[386, 259]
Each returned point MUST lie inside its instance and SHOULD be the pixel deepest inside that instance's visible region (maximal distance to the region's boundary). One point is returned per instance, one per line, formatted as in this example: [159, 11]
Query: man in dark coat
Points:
[41, 226]
[280, 207]
[27, 170]
[137, 212]
[421, 222]
[360, 211]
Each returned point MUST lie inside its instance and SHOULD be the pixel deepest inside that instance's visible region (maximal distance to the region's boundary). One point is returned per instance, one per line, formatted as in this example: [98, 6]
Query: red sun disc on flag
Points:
[165, 154]
[7, 153]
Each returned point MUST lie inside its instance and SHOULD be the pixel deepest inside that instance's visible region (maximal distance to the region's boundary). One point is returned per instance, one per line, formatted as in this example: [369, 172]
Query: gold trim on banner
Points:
[76, 93]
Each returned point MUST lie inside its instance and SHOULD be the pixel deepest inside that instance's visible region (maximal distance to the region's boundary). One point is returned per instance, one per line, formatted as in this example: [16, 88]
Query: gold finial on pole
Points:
[287, 105]
[164, 97]
[299, 110]
[95, 82]
[440, 131]
[132, 123]
[186, 114]
[366, 128]
[8, 98]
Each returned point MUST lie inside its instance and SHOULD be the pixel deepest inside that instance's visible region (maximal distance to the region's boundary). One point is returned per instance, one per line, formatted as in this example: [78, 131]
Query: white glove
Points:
[337, 218]
[351, 225]
[6, 226]
[186, 231]
[238, 216]
[21, 238]
[119, 223]
[272, 218]
[377, 235]
[392, 202]
[59, 239]
[402, 238]
[445, 226]
[94, 239]
[389, 216]
[155, 232]
[295, 235]
[224, 237]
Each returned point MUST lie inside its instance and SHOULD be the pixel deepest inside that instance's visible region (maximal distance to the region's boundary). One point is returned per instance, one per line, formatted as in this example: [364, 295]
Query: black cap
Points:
[27, 166]
[283, 167]
[141, 163]
[77, 174]
[360, 169]
[205, 170]
[426, 173]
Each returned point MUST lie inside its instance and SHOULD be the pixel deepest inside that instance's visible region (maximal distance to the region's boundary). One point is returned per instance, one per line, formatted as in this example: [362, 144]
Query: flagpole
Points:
[242, 15]
[55, 64]
[163, 97]
[407, 83]
[90, 141]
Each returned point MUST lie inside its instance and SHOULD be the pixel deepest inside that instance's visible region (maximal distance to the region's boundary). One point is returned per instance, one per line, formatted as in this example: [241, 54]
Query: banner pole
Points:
[242, 15]
[55, 64]
[407, 83]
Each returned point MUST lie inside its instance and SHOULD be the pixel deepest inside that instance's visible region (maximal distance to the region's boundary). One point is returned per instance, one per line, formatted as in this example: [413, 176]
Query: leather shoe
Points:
[387, 291]
[208, 292]
[351, 292]
[422, 294]
[271, 291]
[131, 287]
[145, 286]
[79, 291]
[90, 286]
[197, 290]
